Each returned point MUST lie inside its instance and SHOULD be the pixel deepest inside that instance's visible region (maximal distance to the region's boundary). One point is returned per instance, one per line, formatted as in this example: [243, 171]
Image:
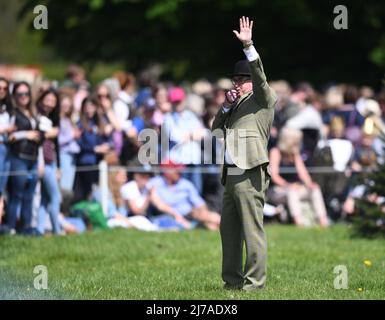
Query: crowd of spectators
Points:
[54, 136]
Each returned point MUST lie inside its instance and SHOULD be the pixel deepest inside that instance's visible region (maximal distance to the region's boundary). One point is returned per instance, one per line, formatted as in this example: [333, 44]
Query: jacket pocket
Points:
[246, 133]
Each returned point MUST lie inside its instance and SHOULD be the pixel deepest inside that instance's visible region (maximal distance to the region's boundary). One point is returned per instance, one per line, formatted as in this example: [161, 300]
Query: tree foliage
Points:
[193, 38]
[370, 222]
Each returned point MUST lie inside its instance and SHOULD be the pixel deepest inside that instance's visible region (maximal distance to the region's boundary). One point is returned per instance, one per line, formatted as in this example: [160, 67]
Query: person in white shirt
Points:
[137, 193]
[123, 103]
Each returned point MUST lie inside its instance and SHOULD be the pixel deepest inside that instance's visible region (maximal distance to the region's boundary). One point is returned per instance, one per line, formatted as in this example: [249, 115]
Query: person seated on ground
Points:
[136, 193]
[117, 212]
[364, 160]
[292, 187]
[179, 198]
[68, 224]
[139, 195]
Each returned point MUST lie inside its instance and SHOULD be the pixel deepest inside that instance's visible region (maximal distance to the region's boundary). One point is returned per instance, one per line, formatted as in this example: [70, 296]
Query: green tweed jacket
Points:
[246, 127]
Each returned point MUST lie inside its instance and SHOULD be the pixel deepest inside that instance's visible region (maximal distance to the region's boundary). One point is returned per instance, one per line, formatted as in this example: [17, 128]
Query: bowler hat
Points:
[241, 68]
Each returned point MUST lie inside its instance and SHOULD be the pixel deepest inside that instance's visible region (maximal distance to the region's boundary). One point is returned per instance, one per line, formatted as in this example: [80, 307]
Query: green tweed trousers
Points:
[242, 223]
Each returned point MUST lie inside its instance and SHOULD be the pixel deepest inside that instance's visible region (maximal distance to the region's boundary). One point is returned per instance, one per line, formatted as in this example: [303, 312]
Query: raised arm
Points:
[262, 93]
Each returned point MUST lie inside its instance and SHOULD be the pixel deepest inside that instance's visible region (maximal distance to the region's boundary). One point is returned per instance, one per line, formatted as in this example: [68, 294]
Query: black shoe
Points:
[30, 232]
[232, 286]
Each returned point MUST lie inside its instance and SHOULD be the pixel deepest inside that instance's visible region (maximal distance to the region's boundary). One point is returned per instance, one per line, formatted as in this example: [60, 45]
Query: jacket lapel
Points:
[233, 110]
[243, 98]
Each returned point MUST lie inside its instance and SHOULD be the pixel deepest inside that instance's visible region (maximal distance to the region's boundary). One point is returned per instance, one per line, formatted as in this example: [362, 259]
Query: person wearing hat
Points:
[245, 120]
[185, 131]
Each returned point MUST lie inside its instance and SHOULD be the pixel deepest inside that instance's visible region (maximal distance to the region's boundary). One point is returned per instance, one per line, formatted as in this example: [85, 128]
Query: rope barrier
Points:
[208, 169]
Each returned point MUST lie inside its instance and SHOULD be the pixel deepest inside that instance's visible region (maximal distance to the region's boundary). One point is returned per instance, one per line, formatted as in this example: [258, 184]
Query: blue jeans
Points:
[50, 199]
[67, 168]
[21, 192]
[194, 175]
[5, 165]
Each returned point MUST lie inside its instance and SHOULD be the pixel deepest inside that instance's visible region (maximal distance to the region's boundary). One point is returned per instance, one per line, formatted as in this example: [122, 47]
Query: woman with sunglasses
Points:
[112, 125]
[48, 116]
[6, 127]
[24, 147]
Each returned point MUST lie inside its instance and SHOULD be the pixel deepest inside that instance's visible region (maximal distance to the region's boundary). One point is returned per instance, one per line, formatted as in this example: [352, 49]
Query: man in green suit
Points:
[245, 120]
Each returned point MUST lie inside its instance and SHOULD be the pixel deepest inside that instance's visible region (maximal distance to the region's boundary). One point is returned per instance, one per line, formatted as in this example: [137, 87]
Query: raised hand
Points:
[245, 30]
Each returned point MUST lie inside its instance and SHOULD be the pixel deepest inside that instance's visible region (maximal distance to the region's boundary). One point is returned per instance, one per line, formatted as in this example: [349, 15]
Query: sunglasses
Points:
[103, 96]
[22, 94]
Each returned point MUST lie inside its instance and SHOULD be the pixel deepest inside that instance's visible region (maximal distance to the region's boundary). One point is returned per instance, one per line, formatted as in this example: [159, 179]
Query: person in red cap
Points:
[245, 119]
[176, 196]
[185, 131]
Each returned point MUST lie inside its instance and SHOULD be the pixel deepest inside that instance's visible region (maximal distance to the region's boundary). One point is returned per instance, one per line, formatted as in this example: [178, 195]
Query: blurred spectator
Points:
[364, 160]
[6, 127]
[25, 142]
[196, 104]
[123, 105]
[137, 192]
[94, 144]
[112, 124]
[145, 117]
[48, 105]
[348, 112]
[76, 80]
[292, 187]
[365, 93]
[184, 131]
[118, 192]
[75, 77]
[163, 105]
[336, 153]
[212, 148]
[195, 100]
[374, 122]
[146, 81]
[285, 107]
[68, 145]
[364, 155]
[104, 100]
[179, 198]
[381, 101]
[308, 119]
[341, 148]
[137, 195]
[124, 109]
[219, 92]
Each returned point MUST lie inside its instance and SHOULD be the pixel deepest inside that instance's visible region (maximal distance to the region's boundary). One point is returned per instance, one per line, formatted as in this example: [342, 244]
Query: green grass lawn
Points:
[128, 264]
